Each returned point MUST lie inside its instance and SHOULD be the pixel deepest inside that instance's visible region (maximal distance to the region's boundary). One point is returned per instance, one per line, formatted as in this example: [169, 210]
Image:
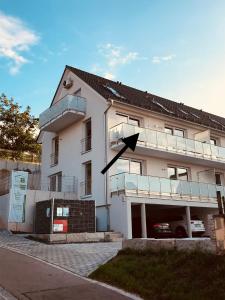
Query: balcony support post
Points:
[143, 221]
[188, 218]
[128, 218]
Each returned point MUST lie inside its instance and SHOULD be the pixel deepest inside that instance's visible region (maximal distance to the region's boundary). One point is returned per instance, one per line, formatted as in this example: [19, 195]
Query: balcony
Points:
[164, 188]
[62, 114]
[163, 145]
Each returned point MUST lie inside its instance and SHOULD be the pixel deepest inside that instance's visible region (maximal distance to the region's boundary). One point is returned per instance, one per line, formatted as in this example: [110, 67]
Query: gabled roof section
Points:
[129, 95]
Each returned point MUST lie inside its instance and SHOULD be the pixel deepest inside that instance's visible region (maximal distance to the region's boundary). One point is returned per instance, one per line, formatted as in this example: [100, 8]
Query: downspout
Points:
[106, 161]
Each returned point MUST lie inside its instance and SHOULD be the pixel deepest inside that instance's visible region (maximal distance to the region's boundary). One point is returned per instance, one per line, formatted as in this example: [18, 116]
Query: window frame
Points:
[132, 160]
[213, 141]
[54, 151]
[220, 178]
[173, 128]
[87, 182]
[130, 117]
[58, 182]
[176, 172]
[87, 138]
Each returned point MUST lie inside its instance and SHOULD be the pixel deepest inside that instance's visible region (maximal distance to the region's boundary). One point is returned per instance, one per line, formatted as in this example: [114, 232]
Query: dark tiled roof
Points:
[149, 101]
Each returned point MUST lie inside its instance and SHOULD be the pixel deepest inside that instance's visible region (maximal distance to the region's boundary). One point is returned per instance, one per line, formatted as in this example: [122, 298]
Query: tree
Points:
[18, 129]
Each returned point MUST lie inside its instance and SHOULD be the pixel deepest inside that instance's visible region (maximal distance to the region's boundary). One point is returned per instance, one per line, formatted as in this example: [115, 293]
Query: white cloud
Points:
[159, 59]
[15, 38]
[114, 58]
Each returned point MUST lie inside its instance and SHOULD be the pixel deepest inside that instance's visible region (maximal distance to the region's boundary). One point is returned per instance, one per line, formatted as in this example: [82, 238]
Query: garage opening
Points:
[167, 221]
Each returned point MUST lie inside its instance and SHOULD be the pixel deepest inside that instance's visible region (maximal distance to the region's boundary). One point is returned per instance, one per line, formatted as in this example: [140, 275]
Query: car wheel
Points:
[180, 232]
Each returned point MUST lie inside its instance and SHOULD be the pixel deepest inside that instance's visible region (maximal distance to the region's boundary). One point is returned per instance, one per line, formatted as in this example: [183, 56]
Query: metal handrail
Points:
[86, 144]
[54, 159]
[86, 188]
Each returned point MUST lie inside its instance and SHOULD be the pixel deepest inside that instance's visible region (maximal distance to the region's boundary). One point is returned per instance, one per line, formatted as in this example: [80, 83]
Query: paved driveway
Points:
[80, 259]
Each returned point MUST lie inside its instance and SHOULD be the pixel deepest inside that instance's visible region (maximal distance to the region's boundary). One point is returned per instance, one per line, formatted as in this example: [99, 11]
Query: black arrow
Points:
[130, 142]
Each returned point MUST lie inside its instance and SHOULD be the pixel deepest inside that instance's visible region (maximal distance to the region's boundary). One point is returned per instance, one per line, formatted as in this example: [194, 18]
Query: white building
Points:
[177, 167]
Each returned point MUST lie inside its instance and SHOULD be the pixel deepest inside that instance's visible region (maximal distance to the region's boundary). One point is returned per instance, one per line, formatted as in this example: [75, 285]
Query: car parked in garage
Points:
[160, 230]
[180, 230]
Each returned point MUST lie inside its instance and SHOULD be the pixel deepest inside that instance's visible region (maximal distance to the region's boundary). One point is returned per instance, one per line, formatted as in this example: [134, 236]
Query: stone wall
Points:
[203, 244]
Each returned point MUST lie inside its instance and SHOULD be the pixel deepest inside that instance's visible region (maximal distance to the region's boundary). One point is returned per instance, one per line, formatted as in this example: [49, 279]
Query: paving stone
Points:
[81, 259]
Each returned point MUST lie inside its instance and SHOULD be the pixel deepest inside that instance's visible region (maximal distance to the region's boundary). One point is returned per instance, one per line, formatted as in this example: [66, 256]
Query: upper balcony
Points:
[163, 145]
[63, 113]
[165, 189]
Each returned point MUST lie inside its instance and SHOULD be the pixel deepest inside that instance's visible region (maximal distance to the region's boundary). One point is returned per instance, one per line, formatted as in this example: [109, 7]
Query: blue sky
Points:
[172, 48]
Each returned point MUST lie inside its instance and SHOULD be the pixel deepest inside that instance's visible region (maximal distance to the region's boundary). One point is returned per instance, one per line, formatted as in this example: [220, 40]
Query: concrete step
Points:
[113, 236]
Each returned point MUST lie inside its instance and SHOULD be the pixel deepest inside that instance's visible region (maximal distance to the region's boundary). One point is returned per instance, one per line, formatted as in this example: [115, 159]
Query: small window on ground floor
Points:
[62, 211]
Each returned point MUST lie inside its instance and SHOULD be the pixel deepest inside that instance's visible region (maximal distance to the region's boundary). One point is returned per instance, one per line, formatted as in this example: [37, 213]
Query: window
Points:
[183, 111]
[62, 211]
[59, 212]
[216, 122]
[128, 166]
[113, 91]
[162, 106]
[194, 115]
[48, 211]
[65, 211]
[218, 178]
[133, 121]
[55, 151]
[127, 119]
[168, 130]
[135, 167]
[88, 178]
[122, 165]
[55, 182]
[88, 134]
[178, 173]
[213, 141]
[174, 131]
[178, 132]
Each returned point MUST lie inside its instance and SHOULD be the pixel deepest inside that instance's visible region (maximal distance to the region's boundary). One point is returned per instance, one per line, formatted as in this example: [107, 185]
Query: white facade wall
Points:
[71, 160]
[4, 211]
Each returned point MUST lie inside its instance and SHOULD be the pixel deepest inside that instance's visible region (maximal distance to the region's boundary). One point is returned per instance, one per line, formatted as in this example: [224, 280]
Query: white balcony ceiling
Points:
[63, 121]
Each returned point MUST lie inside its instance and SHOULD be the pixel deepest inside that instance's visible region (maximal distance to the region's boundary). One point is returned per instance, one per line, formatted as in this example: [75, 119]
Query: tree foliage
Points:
[18, 129]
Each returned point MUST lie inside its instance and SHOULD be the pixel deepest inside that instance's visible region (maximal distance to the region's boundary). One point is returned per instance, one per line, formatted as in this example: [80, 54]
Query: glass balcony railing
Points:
[149, 186]
[67, 103]
[150, 138]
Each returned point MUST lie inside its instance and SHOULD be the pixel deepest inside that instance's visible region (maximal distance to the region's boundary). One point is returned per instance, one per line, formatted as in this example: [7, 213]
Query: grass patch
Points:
[166, 275]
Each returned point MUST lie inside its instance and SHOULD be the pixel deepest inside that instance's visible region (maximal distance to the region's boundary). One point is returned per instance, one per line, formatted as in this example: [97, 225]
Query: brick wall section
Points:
[81, 215]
